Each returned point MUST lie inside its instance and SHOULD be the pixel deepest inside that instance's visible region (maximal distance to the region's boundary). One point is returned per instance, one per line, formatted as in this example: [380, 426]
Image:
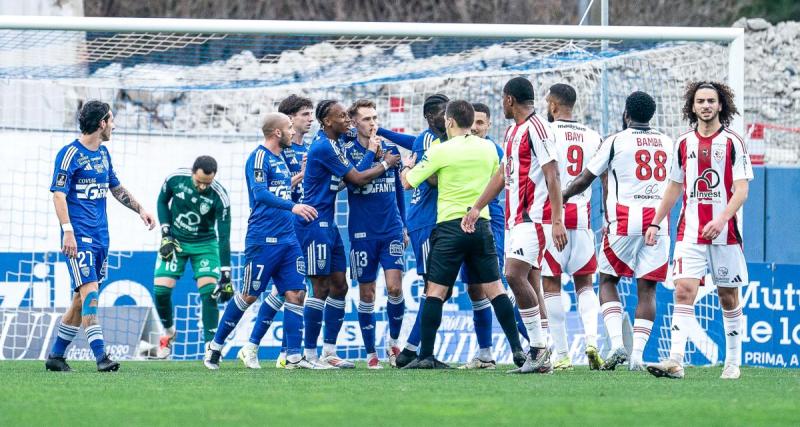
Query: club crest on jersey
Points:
[300, 264]
[204, 208]
[705, 184]
[396, 248]
[719, 154]
[61, 180]
[259, 175]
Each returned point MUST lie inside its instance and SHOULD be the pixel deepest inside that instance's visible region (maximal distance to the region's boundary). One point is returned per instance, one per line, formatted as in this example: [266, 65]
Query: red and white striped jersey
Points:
[707, 167]
[575, 145]
[528, 146]
[636, 160]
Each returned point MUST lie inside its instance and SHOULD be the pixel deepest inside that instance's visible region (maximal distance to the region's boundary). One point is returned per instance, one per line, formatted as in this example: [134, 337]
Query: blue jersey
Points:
[422, 208]
[269, 185]
[85, 177]
[294, 159]
[496, 210]
[326, 164]
[374, 208]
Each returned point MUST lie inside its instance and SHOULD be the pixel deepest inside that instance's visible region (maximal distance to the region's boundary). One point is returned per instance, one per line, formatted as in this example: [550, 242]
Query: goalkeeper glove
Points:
[223, 291]
[169, 245]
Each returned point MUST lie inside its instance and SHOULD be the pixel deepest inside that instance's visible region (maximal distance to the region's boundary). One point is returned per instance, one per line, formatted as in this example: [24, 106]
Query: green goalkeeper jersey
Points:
[192, 214]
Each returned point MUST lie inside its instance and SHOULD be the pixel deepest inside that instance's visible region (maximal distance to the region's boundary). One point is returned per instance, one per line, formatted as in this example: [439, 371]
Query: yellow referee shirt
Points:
[463, 165]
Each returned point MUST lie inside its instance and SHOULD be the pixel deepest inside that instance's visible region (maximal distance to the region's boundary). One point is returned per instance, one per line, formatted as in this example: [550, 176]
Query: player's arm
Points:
[550, 172]
[126, 199]
[413, 174]
[673, 191]
[69, 244]
[169, 245]
[359, 178]
[224, 290]
[62, 177]
[404, 140]
[604, 186]
[400, 196]
[578, 185]
[597, 166]
[492, 190]
[261, 194]
[742, 174]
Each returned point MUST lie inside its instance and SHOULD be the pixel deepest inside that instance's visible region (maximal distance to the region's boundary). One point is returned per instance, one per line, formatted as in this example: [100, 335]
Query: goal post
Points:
[184, 87]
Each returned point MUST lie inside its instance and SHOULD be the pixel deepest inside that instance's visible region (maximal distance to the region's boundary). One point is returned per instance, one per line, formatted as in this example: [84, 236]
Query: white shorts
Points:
[725, 263]
[577, 258]
[525, 242]
[628, 256]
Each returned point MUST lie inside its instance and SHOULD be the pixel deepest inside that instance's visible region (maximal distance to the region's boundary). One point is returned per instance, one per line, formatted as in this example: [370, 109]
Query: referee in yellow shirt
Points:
[461, 167]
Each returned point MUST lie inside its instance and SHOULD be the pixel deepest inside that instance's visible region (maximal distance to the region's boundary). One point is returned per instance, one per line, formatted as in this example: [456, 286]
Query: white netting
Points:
[176, 96]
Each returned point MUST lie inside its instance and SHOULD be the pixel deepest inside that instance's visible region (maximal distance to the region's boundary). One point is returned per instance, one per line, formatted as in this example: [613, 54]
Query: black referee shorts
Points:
[451, 246]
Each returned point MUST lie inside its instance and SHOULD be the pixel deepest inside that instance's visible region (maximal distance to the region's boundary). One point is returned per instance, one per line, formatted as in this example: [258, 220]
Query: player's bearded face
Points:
[105, 133]
[287, 133]
[436, 120]
[706, 105]
[202, 180]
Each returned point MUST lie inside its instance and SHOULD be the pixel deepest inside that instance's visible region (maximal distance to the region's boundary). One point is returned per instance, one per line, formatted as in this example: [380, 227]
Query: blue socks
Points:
[94, 334]
[312, 316]
[269, 308]
[66, 334]
[482, 319]
[233, 313]
[414, 336]
[334, 318]
[395, 310]
[366, 319]
[292, 328]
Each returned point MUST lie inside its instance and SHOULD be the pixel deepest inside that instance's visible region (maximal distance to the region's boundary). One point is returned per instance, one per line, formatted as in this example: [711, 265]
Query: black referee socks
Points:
[504, 311]
[429, 324]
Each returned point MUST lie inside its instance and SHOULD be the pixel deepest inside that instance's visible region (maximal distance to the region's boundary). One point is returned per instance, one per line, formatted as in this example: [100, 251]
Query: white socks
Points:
[733, 336]
[612, 316]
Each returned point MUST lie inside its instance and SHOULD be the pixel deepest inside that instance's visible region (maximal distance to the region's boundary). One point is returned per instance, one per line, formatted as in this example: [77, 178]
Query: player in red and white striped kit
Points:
[575, 144]
[712, 170]
[530, 175]
[635, 161]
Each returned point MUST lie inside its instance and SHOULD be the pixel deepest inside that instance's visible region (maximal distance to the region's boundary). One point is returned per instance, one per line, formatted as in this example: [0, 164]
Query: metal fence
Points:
[772, 129]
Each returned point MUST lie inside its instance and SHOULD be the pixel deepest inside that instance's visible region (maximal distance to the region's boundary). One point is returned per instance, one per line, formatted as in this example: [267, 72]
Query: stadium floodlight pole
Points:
[733, 36]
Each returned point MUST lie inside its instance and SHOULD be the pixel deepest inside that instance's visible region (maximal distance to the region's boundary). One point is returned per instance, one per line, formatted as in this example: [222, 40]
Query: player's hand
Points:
[410, 161]
[392, 159]
[148, 219]
[303, 164]
[306, 212]
[70, 248]
[651, 236]
[223, 290]
[559, 235]
[169, 249]
[604, 231]
[469, 220]
[713, 229]
[374, 145]
[405, 238]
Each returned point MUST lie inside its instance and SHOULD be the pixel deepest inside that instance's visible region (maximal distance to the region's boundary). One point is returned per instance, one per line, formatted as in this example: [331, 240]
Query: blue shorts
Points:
[499, 234]
[421, 246]
[367, 255]
[281, 263]
[323, 249]
[90, 265]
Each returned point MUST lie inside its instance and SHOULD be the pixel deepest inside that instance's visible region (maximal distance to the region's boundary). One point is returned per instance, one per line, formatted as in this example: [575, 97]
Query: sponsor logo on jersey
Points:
[88, 167]
[91, 191]
[180, 195]
[188, 221]
[651, 192]
[692, 155]
[61, 179]
[396, 248]
[300, 265]
[259, 175]
[705, 184]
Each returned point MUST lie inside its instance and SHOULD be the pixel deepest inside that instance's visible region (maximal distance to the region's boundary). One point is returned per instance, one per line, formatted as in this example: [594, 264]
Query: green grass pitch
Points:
[185, 393]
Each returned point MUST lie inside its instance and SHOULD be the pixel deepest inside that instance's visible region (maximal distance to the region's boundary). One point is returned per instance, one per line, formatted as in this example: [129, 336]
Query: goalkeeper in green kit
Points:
[190, 204]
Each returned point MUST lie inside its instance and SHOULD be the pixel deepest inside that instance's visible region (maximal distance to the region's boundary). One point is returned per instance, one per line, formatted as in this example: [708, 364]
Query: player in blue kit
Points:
[301, 111]
[326, 167]
[272, 251]
[377, 235]
[82, 177]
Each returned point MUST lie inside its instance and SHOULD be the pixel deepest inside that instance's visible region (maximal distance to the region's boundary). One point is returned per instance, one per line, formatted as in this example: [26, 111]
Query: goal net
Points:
[196, 90]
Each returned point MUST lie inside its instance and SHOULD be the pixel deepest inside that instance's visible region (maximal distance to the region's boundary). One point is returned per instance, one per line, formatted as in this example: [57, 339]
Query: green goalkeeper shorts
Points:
[203, 255]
